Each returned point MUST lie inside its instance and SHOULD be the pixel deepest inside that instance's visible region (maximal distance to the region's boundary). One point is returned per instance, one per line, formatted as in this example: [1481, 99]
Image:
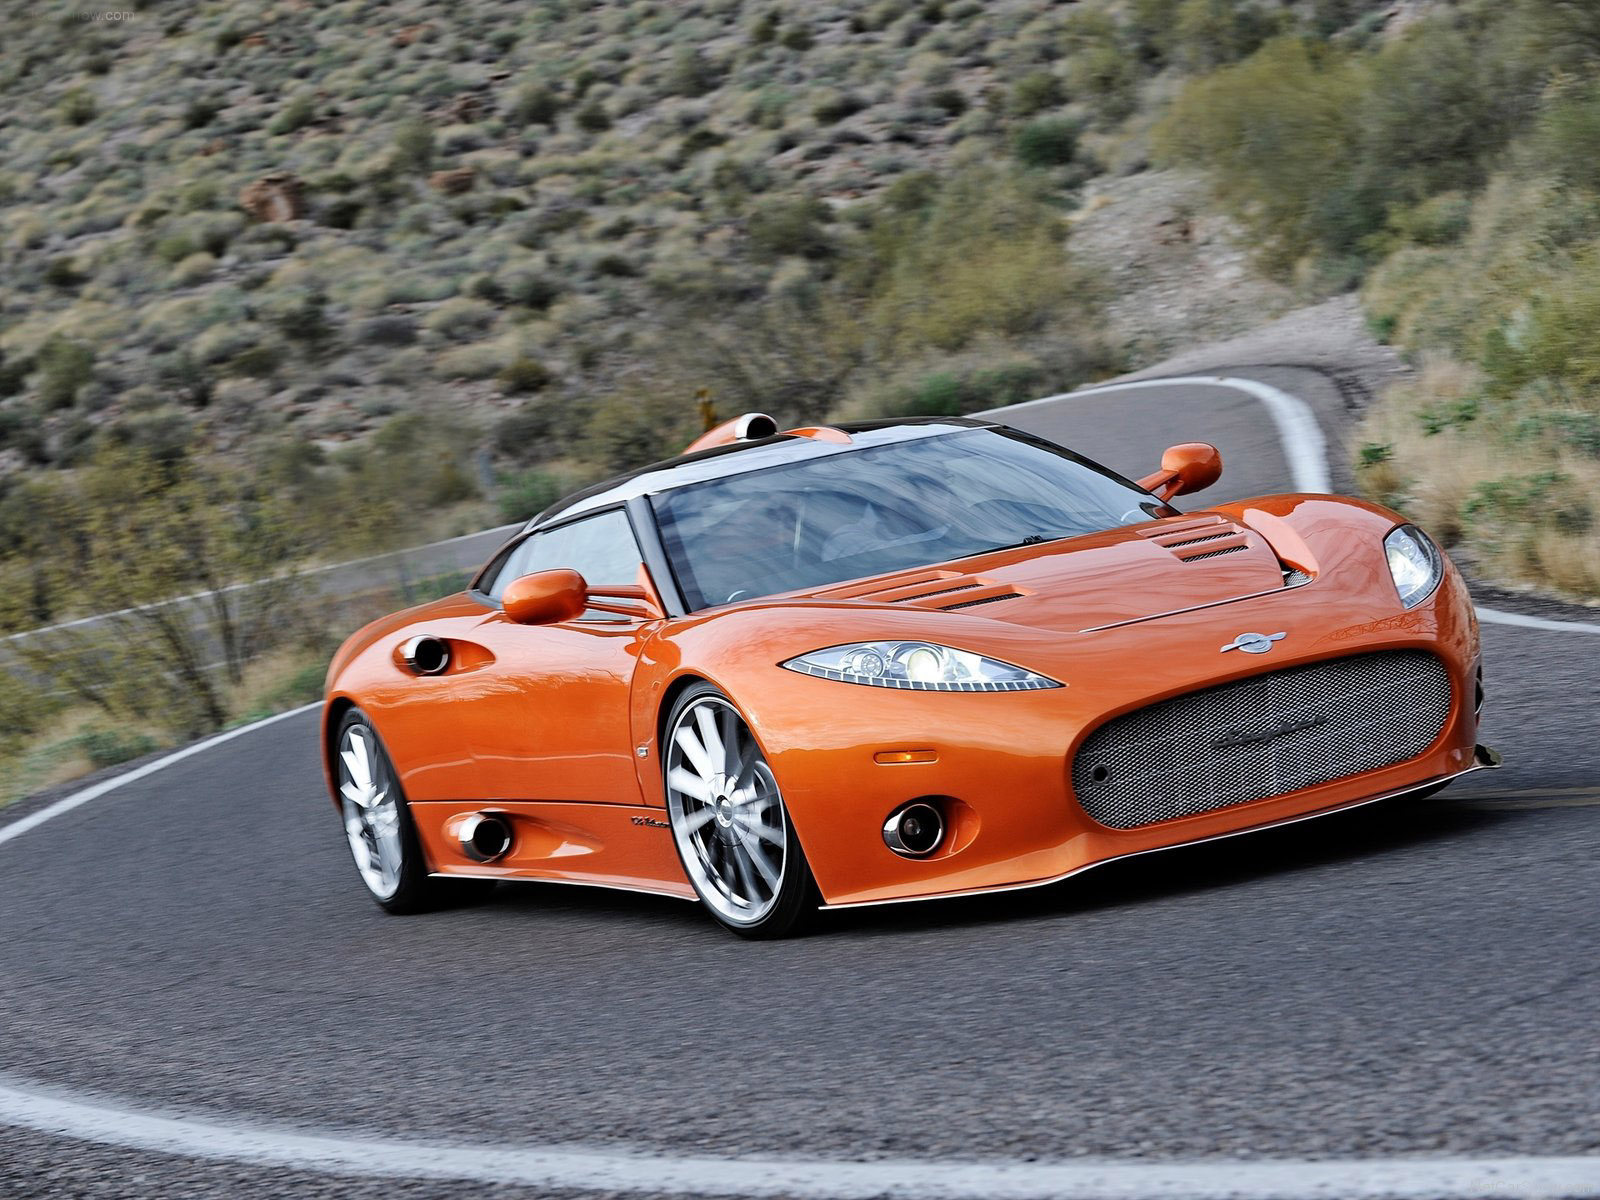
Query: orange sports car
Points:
[890, 661]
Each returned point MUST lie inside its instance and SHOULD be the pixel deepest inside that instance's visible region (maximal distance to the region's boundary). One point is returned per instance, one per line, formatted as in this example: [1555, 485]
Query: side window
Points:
[600, 548]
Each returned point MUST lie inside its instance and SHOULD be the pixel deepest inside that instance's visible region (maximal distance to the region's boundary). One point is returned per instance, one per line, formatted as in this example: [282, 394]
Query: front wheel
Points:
[378, 827]
[729, 822]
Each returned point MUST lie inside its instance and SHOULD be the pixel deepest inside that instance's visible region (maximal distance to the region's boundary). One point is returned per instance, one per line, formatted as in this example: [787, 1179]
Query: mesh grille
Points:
[1265, 736]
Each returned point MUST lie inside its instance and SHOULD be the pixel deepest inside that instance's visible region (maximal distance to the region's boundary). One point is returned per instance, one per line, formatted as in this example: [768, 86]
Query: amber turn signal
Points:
[890, 757]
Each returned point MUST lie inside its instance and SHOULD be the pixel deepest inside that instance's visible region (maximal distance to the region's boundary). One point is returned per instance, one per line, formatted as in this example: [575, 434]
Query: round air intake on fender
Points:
[426, 655]
[485, 837]
[914, 830]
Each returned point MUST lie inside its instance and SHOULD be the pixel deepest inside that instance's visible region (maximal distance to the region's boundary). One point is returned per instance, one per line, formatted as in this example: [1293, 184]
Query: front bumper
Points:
[1004, 761]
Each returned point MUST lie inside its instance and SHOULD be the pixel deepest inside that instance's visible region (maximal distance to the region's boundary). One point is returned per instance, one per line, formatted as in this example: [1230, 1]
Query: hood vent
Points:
[1202, 538]
[1008, 595]
[945, 591]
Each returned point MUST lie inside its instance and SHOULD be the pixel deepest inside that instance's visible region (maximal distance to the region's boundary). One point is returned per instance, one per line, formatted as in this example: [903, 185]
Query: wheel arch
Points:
[669, 701]
[333, 714]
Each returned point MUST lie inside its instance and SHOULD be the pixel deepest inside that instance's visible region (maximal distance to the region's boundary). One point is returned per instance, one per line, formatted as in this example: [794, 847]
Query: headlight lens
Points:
[916, 667]
[1414, 562]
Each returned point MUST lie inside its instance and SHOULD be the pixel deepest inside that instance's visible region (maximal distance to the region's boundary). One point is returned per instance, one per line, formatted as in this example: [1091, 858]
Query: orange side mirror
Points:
[546, 597]
[1188, 467]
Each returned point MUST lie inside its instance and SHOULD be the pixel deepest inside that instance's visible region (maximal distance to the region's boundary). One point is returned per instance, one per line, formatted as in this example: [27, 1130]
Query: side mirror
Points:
[546, 597]
[1189, 467]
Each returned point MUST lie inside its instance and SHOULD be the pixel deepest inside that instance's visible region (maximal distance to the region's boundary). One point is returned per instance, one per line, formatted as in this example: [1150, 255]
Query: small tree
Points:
[182, 570]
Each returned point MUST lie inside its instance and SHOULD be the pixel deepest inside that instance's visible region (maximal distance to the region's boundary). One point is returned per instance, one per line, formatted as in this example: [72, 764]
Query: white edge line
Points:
[1497, 616]
[593, 1169]
[1305, 448]
[67, 803]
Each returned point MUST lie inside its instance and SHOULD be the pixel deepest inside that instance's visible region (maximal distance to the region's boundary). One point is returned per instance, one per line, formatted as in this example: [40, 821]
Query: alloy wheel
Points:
[726, 812]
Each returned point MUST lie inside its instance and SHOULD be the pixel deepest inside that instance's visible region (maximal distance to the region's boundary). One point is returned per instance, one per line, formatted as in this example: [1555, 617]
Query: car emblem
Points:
[1282, 727]
[1254, 643]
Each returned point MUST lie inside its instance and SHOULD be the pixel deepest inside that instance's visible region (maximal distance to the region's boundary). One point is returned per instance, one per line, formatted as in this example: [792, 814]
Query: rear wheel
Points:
[729, 822]
[379, 830]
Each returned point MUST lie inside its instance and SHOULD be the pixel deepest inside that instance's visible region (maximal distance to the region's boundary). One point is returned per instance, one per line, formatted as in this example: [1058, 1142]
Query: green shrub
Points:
[302, 317]
[1035, 92]
[65, 368]
[521, 375]
[201, 112]
[765, 28]
[62, 272]
[295, 115]
[692, 73]
[260, 361]
[593, 118]
[1277, 133]
[1047, 142]
[175, 247]
[387, 330]
[535, 105]
[78, 107]
[193, 269]
[797, 38]
[526, 495]
[413, 145]
[832, 107]
[108, 747]
[1213, 33]
[460, 318]
[616, 266]
[531, 289]
[790, 226]
[629, 430]
[1567, 136]
[1439, 221]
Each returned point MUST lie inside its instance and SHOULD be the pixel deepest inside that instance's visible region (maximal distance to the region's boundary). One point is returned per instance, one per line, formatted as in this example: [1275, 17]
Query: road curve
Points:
[1405, 980]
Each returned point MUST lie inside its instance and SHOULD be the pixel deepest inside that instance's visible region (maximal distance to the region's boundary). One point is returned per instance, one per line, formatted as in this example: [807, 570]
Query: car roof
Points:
[742, 458]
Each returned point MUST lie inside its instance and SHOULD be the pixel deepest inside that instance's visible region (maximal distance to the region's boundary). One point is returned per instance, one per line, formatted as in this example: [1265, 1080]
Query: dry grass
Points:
[75, 742]
[1521, 510]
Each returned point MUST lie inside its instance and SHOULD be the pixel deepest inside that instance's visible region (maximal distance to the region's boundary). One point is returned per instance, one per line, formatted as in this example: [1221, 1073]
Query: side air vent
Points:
[1293, 577]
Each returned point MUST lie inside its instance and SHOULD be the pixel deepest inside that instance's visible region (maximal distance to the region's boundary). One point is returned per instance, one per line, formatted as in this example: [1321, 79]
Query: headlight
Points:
[1414, 562]
[916, 667]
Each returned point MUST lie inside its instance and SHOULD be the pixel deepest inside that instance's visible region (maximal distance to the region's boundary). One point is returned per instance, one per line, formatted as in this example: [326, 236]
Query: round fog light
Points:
[914, 831]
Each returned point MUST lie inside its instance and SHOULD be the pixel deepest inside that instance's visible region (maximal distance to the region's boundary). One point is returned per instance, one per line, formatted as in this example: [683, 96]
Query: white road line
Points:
[564, 1167]
[67, 803]
[1304, 447]
[1499, 616]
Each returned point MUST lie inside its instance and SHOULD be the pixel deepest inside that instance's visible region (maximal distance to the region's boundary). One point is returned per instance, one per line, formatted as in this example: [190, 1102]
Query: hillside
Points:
[544, 232]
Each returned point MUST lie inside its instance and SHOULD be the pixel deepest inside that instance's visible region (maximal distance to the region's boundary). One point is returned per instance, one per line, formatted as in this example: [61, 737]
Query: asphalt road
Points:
[1404, 979]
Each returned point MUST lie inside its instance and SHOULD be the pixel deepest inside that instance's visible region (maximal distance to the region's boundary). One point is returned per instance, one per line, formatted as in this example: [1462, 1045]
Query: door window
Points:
[601, 548]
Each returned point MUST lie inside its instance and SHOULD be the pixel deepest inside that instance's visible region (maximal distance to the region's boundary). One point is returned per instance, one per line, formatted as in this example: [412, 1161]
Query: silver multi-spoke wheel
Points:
[371, 811]
[727, 816]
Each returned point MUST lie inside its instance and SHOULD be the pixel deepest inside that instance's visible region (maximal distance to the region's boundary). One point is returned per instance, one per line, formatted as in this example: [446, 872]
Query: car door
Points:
[550, 717]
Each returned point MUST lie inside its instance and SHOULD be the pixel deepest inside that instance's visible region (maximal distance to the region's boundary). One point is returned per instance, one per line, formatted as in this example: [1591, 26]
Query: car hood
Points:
[1119, 576]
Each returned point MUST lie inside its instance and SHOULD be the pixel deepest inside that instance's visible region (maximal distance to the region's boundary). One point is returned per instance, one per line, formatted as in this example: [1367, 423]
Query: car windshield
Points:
[884, 508]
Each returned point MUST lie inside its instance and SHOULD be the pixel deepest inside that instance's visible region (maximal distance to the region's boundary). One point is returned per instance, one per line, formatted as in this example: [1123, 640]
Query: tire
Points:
[729, 823]
[379, 830]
